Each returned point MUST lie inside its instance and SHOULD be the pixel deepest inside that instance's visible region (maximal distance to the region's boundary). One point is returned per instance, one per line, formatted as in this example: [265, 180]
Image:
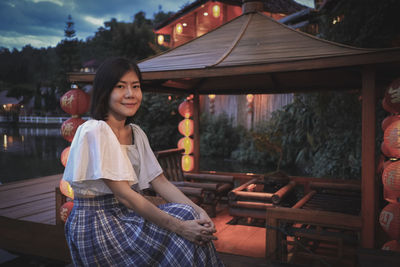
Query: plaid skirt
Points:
[102, 232]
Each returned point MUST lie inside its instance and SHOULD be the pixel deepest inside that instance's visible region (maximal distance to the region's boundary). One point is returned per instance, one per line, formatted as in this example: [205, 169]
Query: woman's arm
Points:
[192, 230]
[172, 194]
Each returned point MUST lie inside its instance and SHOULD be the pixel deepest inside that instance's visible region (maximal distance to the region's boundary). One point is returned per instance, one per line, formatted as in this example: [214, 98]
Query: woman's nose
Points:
[129, 91]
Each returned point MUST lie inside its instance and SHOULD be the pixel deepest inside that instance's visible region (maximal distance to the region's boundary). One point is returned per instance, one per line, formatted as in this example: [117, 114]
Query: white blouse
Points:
[96, 153]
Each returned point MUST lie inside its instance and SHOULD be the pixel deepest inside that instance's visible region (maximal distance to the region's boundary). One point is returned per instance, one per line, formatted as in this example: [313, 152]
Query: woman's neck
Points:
[120, 130]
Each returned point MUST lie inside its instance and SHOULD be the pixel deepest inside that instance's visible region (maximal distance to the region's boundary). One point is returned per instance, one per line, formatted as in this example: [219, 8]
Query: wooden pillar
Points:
[196, 134]
[368, 183]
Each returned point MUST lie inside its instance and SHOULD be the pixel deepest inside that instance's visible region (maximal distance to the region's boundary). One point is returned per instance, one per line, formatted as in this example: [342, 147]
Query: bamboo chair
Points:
[211, 187]
[323, 226]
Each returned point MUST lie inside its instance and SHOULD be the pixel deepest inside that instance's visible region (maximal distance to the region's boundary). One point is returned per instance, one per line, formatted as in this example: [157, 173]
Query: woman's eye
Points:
[119, 86]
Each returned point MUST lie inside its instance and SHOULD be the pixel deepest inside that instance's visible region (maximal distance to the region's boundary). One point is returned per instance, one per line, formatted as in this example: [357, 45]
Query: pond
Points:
[30, 152]
[35, 152]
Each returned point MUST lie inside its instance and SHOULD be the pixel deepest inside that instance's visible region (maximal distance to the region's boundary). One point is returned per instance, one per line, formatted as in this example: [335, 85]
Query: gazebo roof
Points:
[256, 54]
[247, 48]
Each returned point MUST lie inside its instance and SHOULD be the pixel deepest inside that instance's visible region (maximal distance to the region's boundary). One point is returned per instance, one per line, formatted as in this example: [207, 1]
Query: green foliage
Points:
[319, 135]
[159, 118]
[218, 138]
[363, 23]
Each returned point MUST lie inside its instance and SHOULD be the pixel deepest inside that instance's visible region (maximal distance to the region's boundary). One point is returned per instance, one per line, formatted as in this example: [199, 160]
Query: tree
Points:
[68, 54]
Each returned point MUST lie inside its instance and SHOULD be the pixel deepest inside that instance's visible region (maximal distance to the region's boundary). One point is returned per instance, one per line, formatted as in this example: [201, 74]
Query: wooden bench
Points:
[322, 226]
[207, 188]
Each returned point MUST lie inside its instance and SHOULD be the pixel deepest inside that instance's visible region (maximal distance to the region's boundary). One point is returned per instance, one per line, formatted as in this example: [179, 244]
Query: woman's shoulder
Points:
[93, 127]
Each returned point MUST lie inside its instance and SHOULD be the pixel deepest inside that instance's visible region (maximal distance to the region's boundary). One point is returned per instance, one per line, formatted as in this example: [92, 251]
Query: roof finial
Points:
[252, 6]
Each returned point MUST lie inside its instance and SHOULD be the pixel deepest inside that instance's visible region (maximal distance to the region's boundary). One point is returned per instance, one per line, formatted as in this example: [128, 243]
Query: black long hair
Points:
[107, 76]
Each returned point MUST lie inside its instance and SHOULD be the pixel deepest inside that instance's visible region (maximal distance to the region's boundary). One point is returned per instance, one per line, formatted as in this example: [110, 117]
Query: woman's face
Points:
[126, 97]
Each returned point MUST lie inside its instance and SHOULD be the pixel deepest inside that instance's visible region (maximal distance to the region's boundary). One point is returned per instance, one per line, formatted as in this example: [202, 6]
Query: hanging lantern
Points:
[393, 245]
[392, 139]
[391, 182]
[387, 107]
[187, 144]
[385, 151]
[75, 101]
[389, 219]
[391, 100]
[187, 163]
[179, 28]
[66, 189]
[65, 210]
[160, 39]
[64, 155]
[69, 127]
[389, 120]
[186, 109]
[186, 127]
[216, 11]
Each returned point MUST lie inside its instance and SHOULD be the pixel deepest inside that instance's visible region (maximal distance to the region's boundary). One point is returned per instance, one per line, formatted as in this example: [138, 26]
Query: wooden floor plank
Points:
[41, 217]
[28, 209]
[28, 182]
[22, 201]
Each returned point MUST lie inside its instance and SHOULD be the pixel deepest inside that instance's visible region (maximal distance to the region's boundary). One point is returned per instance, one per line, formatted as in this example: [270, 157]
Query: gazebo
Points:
[255, 54]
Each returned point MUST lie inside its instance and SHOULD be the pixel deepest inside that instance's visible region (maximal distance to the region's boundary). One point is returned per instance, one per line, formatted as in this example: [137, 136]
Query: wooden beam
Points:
[385, 56]
[196, 134]
[368, 183]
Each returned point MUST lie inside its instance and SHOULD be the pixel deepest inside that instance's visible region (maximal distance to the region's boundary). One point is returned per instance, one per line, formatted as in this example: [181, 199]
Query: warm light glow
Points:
[186, 109]
[205, 14]
[64, 155]
[22, 106]
[160, 39]
[4, 106]
[184, 24]
[186, 127]
[5, 141]
[216, 11]
[250, 98]
[211, 97]
[187, 163]
[187, 144]
[169, 98]
[66, 189]
[179, 28]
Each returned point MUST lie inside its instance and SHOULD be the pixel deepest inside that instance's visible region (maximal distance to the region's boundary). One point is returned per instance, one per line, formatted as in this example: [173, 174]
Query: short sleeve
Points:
[96, 153]
[149, 166]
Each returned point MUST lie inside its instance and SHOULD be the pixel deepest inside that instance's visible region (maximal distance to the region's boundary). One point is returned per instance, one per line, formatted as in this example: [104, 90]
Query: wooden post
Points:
[196, 134]
[368, 184]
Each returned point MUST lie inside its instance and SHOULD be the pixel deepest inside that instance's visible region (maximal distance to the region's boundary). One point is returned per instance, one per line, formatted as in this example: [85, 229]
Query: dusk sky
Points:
[41, 23]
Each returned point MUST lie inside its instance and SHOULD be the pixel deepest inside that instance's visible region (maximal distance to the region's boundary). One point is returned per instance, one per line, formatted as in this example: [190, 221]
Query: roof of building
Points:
[277, 6]
[4, 99]
[253, 44]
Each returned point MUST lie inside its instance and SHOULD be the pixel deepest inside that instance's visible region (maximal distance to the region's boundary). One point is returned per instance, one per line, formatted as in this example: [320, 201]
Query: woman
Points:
[110, 161]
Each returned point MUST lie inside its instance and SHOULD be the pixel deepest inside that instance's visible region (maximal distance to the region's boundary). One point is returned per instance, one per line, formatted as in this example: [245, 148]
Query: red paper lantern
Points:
[186, 127]
[186, 109]
[187, 163]
[392, 139]
[389, 120]
[187, 144]
[391, 100]
[64, 155]
[66, 189]
[75, 102]
[393, 245]
[391, 182]
[65, 210]
[390, 220]
[69, 127]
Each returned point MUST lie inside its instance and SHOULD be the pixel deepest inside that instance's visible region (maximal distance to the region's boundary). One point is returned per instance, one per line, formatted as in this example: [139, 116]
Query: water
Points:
[27, 153]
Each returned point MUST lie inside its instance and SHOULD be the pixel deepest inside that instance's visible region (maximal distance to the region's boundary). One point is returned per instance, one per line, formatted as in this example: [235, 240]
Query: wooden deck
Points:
[28, 226]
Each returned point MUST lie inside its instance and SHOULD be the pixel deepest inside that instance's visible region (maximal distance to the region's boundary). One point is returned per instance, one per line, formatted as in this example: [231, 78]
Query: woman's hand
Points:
[196, 231]
[204, 216]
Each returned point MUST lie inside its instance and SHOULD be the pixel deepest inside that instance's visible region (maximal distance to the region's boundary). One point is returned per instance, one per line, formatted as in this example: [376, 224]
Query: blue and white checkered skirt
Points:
[102, 232]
